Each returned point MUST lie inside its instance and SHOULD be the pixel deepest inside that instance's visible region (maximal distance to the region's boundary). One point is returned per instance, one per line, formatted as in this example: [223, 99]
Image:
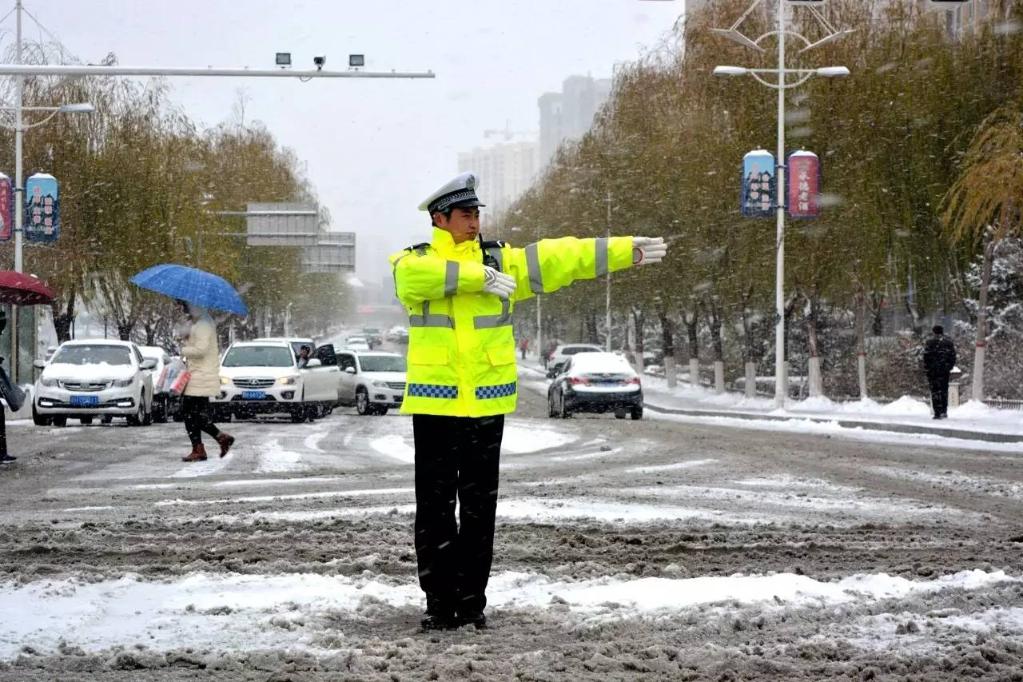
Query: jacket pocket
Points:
[428, 356]
[501, 355]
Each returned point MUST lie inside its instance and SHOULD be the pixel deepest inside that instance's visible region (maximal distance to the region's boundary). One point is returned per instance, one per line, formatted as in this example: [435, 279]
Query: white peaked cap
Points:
[460, 191]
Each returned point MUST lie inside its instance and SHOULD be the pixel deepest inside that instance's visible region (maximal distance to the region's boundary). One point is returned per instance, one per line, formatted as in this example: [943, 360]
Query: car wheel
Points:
[298, 415]
[362, 405]
[147, 417]
[620, 414]
[551, 410]
[38, 419]
[106, 419]
[637, 412]
[380, 411]
[563, 411]
[162, 415]
[59, 421]
[86, 421]
[136, 419]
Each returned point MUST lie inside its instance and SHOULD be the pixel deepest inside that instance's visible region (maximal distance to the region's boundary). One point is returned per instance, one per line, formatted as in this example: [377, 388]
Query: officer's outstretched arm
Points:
[550, 264]
[426, 277]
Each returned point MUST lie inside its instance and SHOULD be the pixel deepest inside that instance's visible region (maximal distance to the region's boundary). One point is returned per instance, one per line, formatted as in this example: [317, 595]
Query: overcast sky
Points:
[373, 149]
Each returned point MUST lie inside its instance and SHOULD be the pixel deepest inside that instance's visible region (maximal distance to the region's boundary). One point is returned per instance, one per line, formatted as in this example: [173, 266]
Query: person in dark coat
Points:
[939, 360]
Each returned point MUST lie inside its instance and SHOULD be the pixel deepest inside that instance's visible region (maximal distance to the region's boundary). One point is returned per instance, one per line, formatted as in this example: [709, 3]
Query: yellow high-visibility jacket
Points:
[461, 355]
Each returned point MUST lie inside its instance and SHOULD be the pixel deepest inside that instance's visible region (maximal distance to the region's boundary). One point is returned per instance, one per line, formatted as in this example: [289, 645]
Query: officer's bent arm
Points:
[427, 277]
[550, 264]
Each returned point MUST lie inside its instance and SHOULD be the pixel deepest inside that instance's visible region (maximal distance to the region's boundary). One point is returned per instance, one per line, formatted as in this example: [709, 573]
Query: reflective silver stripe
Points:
[428, 320]
[494, 321]
[451, 278]
[497, 255]
[533, 267]
[601, 255]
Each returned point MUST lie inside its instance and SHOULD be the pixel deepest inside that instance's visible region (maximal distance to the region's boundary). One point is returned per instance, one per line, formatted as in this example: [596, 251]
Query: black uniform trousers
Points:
[939, 393]
[456, 457]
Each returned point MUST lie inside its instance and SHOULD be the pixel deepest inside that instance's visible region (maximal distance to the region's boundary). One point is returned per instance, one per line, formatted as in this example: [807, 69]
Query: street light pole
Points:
[781, 84]
[19, 191]
[781, 371]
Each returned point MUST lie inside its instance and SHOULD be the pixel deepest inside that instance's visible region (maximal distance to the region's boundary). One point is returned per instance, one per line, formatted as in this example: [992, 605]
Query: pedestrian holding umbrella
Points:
[16, 288]
[196, 292]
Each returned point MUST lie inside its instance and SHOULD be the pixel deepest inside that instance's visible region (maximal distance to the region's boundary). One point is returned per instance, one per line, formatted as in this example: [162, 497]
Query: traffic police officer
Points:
[460, 292]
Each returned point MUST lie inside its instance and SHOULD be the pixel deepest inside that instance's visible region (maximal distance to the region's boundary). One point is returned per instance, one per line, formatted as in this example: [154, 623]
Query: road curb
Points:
[846, 423]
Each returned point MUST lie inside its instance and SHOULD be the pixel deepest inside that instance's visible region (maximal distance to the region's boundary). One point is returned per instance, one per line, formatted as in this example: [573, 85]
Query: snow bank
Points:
[250, 612]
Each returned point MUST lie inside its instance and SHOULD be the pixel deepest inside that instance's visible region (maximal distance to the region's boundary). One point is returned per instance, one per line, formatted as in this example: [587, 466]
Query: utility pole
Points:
[19, 71]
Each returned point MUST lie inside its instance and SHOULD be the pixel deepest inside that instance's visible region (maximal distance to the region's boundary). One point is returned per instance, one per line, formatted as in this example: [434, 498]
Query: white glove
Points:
[497, 283]
[648, 250]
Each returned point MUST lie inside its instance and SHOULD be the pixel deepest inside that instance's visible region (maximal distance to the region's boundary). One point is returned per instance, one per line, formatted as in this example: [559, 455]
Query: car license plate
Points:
[84, 401]
[253, 395]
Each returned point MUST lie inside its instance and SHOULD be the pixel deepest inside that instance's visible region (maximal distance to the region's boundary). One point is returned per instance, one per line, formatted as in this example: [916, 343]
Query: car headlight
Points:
[380, 384]
[225, 381]
[48, 382]
[287, 381]
[123, 383]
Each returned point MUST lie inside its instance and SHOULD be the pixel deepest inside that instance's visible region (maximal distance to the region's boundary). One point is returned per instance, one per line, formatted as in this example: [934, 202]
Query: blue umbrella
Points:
[194, 286]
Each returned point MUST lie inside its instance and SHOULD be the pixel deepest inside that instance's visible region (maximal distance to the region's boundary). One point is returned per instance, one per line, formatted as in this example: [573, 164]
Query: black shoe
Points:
[4, 459]
[438, 621]
[474, 618]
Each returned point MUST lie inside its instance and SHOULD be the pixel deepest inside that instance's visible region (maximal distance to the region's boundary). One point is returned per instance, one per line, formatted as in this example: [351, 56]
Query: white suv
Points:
[372, 381]
[90, 378]
[263, 377]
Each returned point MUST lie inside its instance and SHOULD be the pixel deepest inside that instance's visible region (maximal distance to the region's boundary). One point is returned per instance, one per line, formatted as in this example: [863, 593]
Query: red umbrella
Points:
[21, 289]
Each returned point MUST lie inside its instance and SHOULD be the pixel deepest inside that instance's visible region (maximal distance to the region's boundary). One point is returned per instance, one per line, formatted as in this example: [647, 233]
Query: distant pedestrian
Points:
[524, 346]
[939, 360]
[202, 357]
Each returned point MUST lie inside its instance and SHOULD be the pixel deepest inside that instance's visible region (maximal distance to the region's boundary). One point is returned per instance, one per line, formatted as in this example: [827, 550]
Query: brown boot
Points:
[198, 454]
[225, 440]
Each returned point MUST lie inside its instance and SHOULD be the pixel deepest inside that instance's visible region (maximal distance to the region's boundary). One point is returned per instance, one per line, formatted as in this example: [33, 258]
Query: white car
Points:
[596, 382]
[94, 378]
[563, 352]
[372, 381]
[263, 377]
[357, 343]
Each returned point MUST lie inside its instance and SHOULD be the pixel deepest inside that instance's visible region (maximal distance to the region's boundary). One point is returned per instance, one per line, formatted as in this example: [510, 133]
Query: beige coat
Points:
[202, 356]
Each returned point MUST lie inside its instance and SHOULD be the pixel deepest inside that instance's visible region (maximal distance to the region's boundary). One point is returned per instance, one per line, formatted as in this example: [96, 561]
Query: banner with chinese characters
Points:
[42, 208]
[804, 185]
[6, 208]
[759, 191]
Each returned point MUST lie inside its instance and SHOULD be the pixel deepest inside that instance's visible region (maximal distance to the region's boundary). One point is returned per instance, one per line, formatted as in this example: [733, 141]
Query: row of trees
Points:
[920, 150]
[142, 184]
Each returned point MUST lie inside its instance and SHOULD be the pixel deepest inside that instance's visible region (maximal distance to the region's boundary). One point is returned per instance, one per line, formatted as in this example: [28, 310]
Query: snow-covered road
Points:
[661, 549]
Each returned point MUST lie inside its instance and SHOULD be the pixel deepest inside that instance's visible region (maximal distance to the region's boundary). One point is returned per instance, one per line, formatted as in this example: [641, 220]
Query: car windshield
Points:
[93, 355]
[572, 350]
[258, 356]
[382, 363]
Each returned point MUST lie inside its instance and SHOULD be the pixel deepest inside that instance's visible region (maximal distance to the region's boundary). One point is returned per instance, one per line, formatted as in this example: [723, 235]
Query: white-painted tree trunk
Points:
[670, 371]
[694, 372]
[719, 376]
[978, 373]
[861, 372]
[785, 378]
[751, 380]
[815, 380]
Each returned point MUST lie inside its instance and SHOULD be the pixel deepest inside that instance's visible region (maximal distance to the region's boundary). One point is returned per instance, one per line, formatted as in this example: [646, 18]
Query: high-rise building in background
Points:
[568, 114]
[505, 171]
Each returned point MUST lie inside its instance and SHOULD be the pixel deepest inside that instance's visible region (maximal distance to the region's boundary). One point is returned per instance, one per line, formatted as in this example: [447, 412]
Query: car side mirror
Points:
[39, 364]
[349, 370]
[313, 362]
[148, 363]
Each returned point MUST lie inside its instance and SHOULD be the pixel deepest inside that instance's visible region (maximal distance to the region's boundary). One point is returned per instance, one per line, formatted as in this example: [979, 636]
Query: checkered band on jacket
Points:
[432, 391]
[499, 391]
